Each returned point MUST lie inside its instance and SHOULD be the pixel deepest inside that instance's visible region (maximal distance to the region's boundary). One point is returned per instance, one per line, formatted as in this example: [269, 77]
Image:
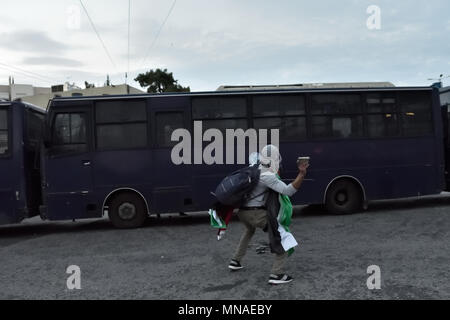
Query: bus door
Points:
[7, 173]
[171, 183]
[446, 131]
[68, 182]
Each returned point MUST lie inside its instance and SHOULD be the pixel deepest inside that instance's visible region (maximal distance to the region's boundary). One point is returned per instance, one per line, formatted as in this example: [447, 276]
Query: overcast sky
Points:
[207, 43]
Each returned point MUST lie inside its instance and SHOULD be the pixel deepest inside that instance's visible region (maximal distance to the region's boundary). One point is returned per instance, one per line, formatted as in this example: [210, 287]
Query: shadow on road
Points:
[32, 230]
[381, 206]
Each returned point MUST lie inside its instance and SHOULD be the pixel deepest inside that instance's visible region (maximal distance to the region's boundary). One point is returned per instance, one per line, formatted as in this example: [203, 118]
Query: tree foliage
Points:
[159, 81]
[89, 85]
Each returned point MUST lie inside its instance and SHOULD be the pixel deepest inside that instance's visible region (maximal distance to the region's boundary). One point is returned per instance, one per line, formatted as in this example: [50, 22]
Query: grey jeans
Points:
[253, 219]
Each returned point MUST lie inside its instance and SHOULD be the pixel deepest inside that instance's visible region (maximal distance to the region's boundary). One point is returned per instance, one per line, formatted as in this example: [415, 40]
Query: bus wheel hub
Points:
[127, 211]
[341, 198]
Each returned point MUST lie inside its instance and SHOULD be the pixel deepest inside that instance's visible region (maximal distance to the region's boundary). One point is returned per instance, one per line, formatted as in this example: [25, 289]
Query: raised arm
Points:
[302, 169]
[272, 182]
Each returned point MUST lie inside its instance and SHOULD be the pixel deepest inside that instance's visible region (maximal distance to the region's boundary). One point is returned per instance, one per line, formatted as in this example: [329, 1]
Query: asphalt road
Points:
[180, 258]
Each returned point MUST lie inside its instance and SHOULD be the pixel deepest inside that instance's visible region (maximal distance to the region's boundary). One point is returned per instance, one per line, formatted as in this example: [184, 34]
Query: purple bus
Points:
[20, 139]
[112, 154]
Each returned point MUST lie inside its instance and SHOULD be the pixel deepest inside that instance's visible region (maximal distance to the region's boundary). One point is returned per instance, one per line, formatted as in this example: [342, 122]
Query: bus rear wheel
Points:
[344, 197]
[127, 211]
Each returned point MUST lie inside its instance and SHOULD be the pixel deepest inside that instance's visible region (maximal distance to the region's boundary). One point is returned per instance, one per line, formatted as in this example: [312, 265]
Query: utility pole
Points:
[129, 29]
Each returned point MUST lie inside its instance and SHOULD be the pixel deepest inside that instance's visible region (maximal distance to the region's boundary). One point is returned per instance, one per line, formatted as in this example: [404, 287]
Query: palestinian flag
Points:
[285, 219]
[216, 221]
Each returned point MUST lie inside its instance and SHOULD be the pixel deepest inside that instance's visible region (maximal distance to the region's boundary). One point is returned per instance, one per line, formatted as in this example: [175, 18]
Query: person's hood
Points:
[270, 159]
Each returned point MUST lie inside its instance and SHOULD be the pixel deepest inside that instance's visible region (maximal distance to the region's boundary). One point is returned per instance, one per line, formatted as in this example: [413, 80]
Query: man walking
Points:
[253, 214]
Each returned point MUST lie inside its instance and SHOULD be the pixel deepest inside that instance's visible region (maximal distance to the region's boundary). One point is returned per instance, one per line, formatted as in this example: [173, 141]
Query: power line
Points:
[159, 32]
[98, 35]
[45, 78]
[25, 73]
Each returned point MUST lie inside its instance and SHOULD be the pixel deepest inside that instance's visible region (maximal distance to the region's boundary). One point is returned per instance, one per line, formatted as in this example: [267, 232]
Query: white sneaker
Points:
[235, 265]
[221, 235]
[280, 279]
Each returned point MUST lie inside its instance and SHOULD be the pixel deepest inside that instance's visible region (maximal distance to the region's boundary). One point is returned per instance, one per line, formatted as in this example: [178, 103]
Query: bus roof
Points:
[240, 92]
[26, 105]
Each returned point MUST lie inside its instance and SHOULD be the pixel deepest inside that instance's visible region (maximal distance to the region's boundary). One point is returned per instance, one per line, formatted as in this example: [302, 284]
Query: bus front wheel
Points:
[127, 210]
[344, 197]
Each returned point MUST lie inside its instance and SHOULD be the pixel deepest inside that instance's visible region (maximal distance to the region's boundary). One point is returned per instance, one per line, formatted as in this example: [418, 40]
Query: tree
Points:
[89, 85]
[159, 81]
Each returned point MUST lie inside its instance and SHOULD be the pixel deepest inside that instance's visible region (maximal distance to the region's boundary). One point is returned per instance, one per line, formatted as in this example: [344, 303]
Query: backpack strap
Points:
[252, 198]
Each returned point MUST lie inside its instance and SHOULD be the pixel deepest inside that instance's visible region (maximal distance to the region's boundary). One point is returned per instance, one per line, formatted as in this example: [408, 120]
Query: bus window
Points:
[382, 115]
[225, 124]
[336, 116]
[291, 129]
[121, 111]
[219, 108]
[286, 113]
[3, 132]
[416, 113]
[166, 124]
[221, 113]
[378, 103]
[332, 104]
[278, 105]
[121, 124]
[69, 133]
[34, 127]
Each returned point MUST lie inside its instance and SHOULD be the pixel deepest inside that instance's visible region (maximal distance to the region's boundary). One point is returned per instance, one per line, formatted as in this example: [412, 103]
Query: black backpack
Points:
[235, 189]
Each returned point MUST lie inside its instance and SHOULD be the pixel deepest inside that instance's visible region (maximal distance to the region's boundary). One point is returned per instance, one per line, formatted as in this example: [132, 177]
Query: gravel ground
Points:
[179, 258]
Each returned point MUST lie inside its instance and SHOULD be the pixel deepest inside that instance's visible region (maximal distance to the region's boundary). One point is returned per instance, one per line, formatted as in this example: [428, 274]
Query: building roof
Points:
[445, 89]
[445, 96]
